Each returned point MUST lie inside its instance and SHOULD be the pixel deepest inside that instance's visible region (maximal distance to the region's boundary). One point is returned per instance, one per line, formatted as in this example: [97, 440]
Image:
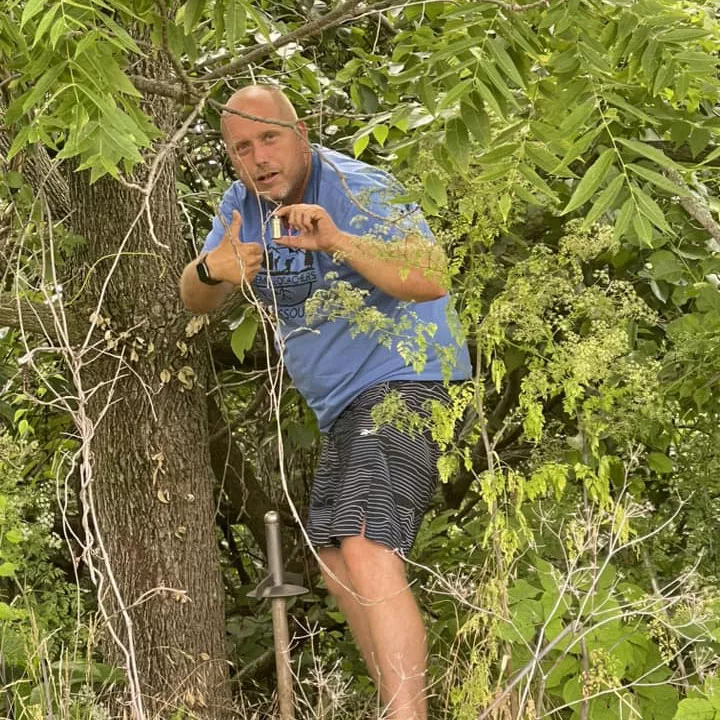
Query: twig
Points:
[337, 16]
[695, 207]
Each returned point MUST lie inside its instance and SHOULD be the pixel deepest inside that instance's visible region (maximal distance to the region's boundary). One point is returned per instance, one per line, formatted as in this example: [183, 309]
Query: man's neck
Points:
[298, 196]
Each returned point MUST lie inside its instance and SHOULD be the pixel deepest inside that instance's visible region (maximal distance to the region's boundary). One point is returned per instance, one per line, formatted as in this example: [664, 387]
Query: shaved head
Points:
[243, 97]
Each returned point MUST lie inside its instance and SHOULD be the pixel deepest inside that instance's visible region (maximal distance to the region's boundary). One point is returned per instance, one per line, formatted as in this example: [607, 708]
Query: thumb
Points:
[235, 225]
[232, 231]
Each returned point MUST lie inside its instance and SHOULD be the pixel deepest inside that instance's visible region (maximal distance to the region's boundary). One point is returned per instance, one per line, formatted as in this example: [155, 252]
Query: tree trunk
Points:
[148, 466]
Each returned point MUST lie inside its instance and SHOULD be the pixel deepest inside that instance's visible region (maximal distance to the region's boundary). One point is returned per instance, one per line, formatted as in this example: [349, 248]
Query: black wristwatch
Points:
[204, 273]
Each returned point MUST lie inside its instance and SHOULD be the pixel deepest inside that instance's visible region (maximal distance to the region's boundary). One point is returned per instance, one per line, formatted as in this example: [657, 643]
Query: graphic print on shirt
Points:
[293, 276]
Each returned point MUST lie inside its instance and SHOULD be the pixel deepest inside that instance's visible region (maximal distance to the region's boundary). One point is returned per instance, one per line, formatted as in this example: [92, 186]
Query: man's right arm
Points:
[232, 262]
[198, 297]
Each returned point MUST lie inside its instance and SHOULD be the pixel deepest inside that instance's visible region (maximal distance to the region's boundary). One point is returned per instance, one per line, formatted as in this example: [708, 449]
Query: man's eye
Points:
[242, 149]
[271, 137]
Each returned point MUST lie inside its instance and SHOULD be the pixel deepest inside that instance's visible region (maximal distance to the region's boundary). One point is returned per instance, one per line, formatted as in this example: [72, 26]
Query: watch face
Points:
[204, 274]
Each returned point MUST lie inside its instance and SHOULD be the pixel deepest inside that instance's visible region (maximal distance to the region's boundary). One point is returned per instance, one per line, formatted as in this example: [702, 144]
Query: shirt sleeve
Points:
[375, 212]
[222, 218]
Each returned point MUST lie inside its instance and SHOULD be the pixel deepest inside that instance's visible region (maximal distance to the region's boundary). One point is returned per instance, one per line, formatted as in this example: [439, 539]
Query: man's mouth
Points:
[266, 178]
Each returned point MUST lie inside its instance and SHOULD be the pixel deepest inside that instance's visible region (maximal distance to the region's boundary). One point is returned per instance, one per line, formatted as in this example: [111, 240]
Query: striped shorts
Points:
[382, 478]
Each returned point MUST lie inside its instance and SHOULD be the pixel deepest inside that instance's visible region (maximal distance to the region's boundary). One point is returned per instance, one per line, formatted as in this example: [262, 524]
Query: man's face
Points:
[271, 160]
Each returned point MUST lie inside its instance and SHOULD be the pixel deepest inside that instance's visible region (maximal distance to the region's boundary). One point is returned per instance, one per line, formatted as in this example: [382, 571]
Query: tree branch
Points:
[34, 317]
[164, 89]
[695, 207]
[342, 13]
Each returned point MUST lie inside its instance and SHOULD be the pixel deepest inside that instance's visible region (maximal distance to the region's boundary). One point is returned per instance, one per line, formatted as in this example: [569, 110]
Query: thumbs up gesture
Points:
[232, 260]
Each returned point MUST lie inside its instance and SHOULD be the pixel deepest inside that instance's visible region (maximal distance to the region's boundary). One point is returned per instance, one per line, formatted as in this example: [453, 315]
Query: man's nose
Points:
[261, 154]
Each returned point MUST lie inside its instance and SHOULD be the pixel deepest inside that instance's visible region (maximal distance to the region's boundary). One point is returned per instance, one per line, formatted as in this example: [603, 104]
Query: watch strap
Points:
[204, 273]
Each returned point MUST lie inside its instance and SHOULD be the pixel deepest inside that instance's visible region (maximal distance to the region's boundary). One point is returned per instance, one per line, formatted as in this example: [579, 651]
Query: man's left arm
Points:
[409, 268]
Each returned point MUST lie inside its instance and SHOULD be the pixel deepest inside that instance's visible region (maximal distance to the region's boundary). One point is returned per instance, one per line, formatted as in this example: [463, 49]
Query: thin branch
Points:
[695, 206]
[342, 13]
[33, 317]
[515, 7]
[163, 89]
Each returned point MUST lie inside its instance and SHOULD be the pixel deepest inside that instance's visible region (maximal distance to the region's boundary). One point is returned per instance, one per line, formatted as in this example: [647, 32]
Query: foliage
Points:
[566, 154]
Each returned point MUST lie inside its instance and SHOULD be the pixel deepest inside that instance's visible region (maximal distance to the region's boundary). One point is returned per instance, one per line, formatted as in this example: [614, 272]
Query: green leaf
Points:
[380, 133]
[546, 160]
[590, 181]
[235, 20]
[577, 119]
[505, 61]
[451, 97]
[522, 590]
[650, 152]
[14, 536]
[219, 17]
[45, 23]
[7, 569]
[489, 98]
[663, 77]
[31, 10]
[244, 335]
[58, 28]
[660, 463]
[651, 210]
[537, 182]
[665, 265]
[643, 228]
[42, 85]
[360, 144]
[617, 101]
[458, 142]
[694, 709]
[650, 59]
[659, 180]
[498, 153]
[427, 94]
[604, 200]
[505, 204]
[476, 121]
[682, 35]
[435, 188]
[193, 13]
[699, 138]
[15, 180]
[19, 142]
[497, 80]
[579, 148]
[524, 194]
[624, 218]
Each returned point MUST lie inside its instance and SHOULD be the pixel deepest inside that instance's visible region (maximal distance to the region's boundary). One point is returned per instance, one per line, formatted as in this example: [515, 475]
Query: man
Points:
[373, 485]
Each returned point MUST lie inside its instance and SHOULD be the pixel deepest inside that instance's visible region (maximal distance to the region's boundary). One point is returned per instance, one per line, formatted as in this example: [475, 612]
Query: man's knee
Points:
[374, 570]
[333, 571]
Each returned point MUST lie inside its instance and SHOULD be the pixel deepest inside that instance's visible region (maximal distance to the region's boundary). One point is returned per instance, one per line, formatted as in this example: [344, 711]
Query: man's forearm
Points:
[198, 297]
[409, 269]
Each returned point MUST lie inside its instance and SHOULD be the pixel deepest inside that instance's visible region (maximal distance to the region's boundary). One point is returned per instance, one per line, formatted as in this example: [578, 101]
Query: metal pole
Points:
[279, 618]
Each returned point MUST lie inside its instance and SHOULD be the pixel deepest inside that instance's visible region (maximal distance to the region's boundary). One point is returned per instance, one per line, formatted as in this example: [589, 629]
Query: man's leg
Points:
[393, 623]
[341, 588]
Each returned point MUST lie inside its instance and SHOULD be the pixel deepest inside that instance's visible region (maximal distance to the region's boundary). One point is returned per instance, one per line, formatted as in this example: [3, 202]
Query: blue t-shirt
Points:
[330, 360]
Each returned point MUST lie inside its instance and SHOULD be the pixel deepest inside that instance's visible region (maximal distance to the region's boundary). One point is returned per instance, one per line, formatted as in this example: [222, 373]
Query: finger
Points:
[234, 230]
[292, 241]
[302, 220]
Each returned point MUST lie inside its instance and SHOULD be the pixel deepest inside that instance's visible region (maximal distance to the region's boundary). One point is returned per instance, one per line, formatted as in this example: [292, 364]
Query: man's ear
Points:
[302, 130]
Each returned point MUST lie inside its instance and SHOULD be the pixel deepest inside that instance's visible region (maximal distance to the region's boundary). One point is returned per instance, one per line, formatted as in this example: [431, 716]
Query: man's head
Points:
[271, 159]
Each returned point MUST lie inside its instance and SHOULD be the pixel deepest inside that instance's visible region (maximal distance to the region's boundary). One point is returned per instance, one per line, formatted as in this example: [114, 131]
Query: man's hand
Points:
[317, 230]
[233, 260]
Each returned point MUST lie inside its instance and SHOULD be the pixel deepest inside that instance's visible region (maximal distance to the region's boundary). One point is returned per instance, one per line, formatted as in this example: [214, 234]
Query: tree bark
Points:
[150, 475]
